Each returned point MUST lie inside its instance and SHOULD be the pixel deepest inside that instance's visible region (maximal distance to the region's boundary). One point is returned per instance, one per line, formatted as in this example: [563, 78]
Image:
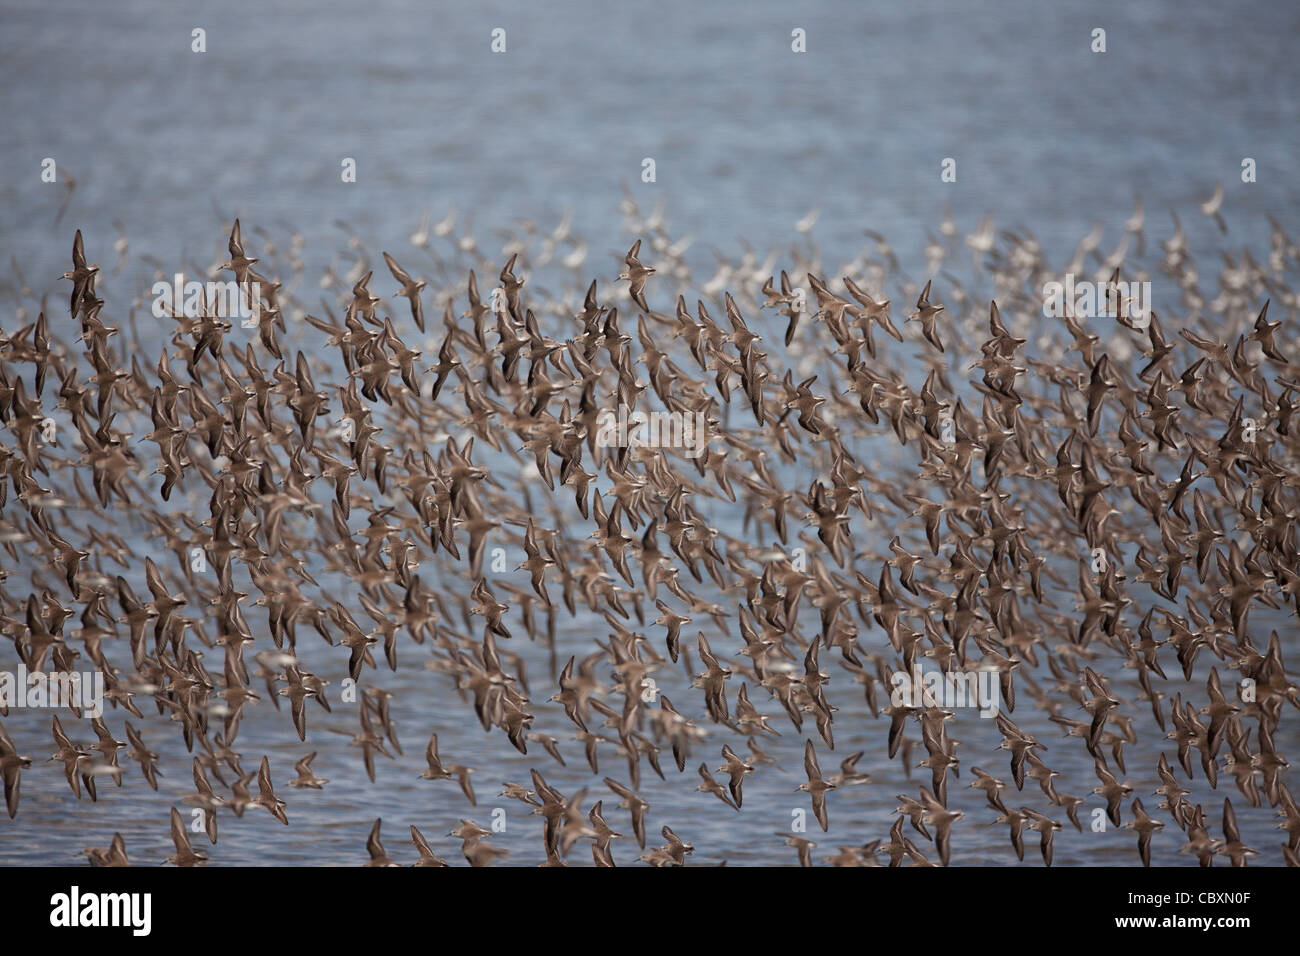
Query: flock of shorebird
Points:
[1112, 499]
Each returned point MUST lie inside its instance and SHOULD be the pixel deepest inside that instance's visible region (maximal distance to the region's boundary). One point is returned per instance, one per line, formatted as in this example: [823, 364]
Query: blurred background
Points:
[748, 137]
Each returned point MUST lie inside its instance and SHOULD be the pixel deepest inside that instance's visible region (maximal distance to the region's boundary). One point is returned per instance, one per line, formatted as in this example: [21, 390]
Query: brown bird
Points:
[410, 290]
[1046, 827]
[1111, 789]
[636, 274]
[803, 845]
[306, 778]
[11, 766]
[815, 787]
[427, 856]
[942, 819]
[1232, 847]
[1145, 827]
[114, 856]
[376, 849]
[709, 785]
[185, 855]
[925, 314]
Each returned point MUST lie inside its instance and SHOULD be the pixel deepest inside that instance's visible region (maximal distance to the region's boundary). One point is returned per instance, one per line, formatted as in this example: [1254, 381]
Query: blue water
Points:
[747, 138]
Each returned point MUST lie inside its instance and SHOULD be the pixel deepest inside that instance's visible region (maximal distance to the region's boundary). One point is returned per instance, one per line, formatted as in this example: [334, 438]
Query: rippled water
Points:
[747, 138]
